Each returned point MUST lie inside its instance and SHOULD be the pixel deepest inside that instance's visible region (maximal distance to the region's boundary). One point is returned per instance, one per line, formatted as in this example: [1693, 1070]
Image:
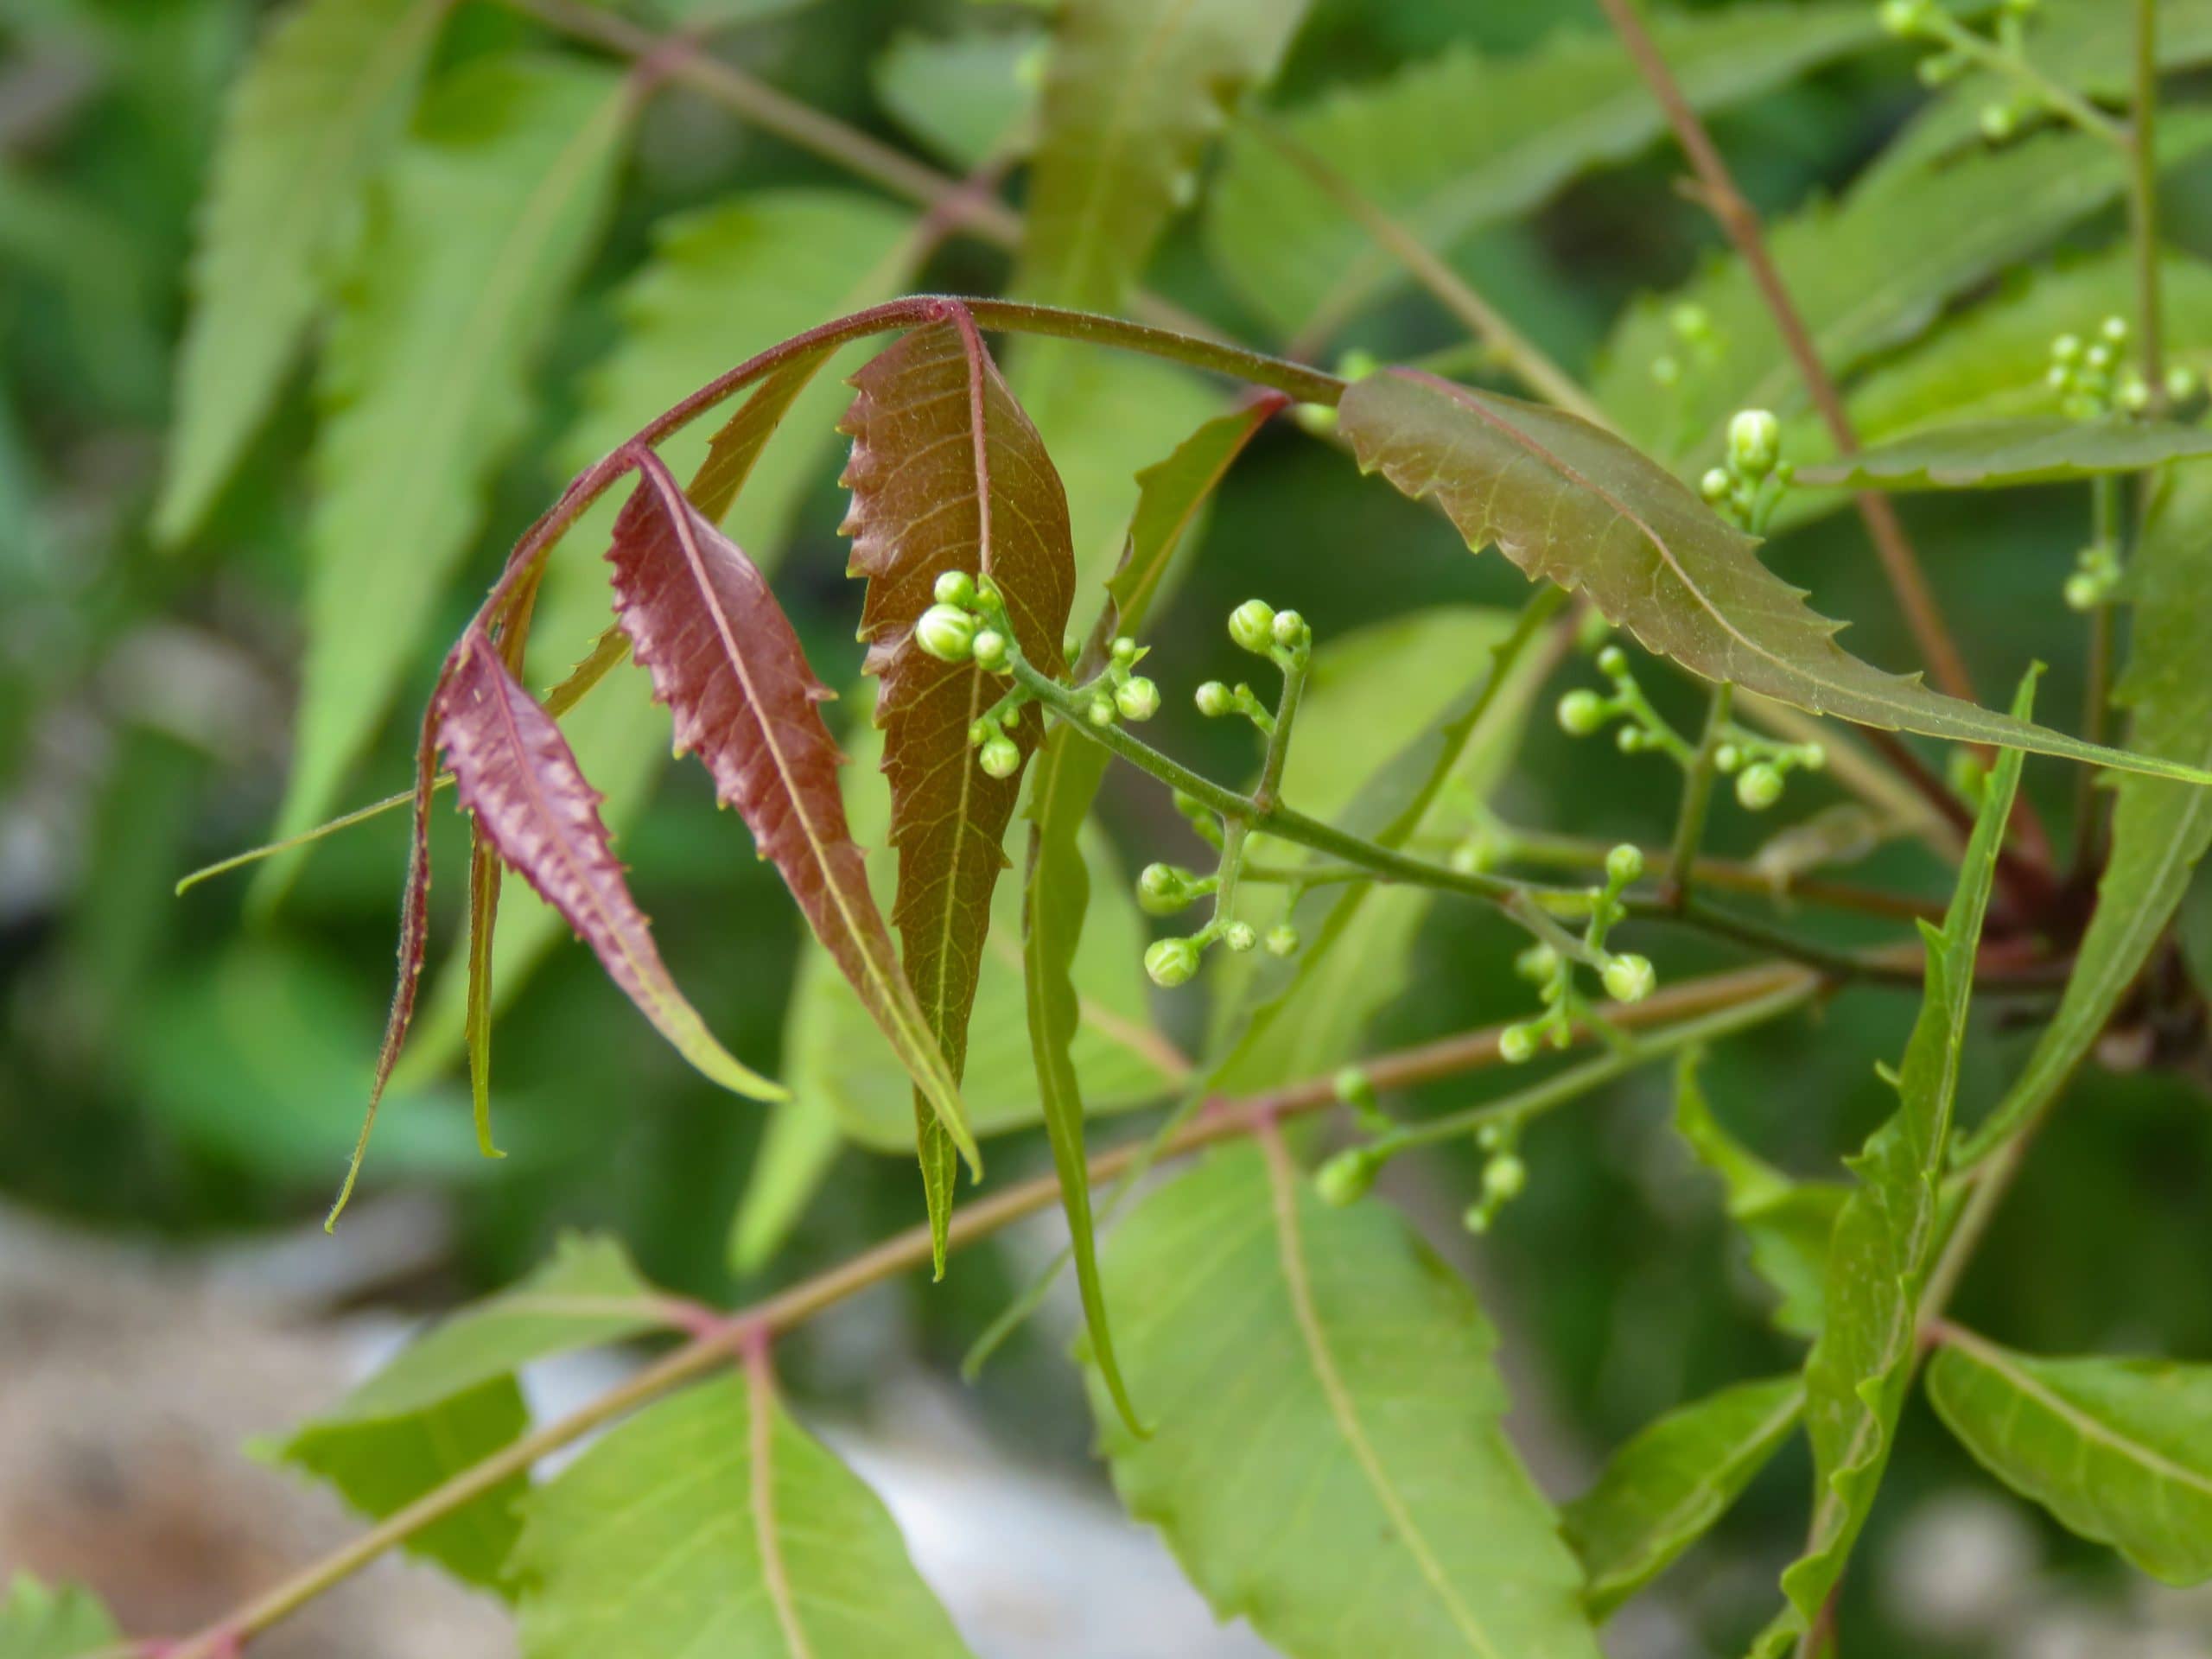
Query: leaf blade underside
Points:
[1571, 504]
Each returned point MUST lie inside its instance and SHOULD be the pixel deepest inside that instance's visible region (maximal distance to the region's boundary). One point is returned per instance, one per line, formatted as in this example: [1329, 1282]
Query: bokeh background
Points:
[180, 1079]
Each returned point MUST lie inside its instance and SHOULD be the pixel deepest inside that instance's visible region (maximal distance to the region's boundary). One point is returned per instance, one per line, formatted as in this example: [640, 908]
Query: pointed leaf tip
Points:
[515, 773]
[725, 659]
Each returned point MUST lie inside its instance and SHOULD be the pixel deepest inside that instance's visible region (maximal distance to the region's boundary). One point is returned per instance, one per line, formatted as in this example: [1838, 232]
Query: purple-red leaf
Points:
[947, 473]
[724, 660]
[513, 769]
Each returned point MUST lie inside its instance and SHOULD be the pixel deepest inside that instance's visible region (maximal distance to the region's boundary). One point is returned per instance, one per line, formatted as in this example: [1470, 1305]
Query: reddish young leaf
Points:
[724, 660]
[947, 473]
[513, 769]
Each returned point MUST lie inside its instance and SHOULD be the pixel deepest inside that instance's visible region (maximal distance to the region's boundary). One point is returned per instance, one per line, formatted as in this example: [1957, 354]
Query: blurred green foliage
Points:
[178, 1067]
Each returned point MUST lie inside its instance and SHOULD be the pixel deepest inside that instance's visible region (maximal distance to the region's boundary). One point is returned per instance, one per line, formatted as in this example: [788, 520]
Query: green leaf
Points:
[38, 1623]
[2121, 1450]
[1988, 363]
[948, 473]
[1857, 1372]
[1572, 503]
[1132, 90]
[1058, 896]
[1447, 740]
[970, 97]
[448, 1400]
[1172, 494]
[1455, 142]
[711, 1524]
[1997, 454]
[1662, 1491]
[381, 1465]
[1868, 272]
[486, 220]
[313, 115]
[2159, 830]
[837, 1058]
[722, 283]
[1791, 1224]
[1327, 1461]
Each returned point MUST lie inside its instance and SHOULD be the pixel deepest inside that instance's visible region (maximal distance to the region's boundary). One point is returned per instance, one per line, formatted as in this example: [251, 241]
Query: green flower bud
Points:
[1162, 889]
[2097, 357]
[1759, 785]
[1504, 1177]
[2113, 329]
[946, 634]
[1357, 365]
[1137, 699]
[1612, 661]
[1665, 370]
[1901, 17]
[1517, 1045]
[980, 733]
[1101, 711]
[1939, 69]
[1239, 937]
[2083, 592]
[990, 650]
[1631, 740]
[1999, 122]
[1692, 321]
[1624, 864]
[2181, 383]
[1581, 712]
[1282, 940]
[2067, 348]
[1252, 626]
[1727, 758]
[955, 587]
[1754, 441]
[1629, 977]
[2134, 395]
[1000, 757]
[1355, 1088]
[1125, 653]
[1538, 962]
[1290, 631]
[1318, 419]
[1345, 1178]
[1214, 700]
[1171, 962]
[1592, 630]
[1715, 485]
[1813, 758]
[1477, 1220]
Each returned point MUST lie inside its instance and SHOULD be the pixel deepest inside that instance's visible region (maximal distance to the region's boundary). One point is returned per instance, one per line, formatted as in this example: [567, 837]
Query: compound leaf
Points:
[513, 769]
[315, 113]
[947, 473]
[2121, 1450]
[1571, 504]
[1661, 1492]
[711, 1524]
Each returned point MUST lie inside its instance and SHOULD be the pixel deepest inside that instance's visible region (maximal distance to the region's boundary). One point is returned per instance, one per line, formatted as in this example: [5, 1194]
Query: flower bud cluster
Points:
[1549, 964]
[1699, 346]
[1505, 1176]
[1747, 487]
[2001, 118]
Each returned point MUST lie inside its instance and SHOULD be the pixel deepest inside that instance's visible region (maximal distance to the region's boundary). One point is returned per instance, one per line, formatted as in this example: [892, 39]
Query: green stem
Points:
[1697, 797]
[2096, 691]
[2016, 67]
[1553, 1091]
[1278, 751]
[2143, 203]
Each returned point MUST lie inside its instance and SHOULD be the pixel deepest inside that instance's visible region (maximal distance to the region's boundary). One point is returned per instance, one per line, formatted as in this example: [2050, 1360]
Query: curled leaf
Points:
[515, 771]
[724, 658]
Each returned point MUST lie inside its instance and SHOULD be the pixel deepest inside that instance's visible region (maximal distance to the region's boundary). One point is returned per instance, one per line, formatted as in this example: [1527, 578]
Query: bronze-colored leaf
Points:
[724, 658]
[1572, 503]
[947, 473]
[513, 769]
